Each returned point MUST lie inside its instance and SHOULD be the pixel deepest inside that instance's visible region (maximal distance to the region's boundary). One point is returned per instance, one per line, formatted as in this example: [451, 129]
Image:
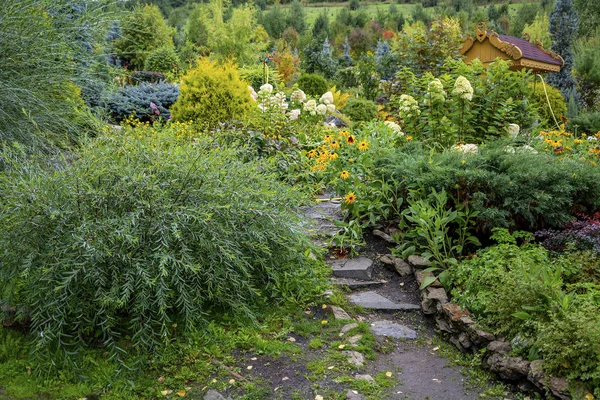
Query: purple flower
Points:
[153, 106]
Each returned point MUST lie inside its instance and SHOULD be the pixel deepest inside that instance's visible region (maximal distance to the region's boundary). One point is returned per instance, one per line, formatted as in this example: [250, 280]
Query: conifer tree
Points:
[564, 23]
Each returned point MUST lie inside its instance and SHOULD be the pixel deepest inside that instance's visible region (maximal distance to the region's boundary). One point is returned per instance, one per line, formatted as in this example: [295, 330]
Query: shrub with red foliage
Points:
[583, 234]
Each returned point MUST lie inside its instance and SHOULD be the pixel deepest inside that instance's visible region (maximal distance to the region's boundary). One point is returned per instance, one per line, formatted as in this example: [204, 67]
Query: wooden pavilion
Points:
[488, 45]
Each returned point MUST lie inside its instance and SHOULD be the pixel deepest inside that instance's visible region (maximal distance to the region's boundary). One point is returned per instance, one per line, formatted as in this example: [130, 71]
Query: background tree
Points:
[563, 32]
[539, 29]
[297, 17]
[143, 30]
[320, 28]
[525, 15]
[274, 21]
[591, 10]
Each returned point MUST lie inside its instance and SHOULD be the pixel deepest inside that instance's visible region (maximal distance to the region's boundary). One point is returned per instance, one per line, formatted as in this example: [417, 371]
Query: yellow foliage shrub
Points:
[339, 99]
[212, 93]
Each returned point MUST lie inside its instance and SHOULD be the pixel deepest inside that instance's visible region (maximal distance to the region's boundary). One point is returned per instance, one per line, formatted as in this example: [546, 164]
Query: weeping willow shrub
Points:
[46, 45]
[144, 235]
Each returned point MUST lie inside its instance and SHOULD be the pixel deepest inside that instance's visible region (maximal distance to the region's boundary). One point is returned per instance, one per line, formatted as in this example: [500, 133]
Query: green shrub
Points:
[537, 95]
[312, 84]
[212, 93]
[143, 236]
[585, 123]
[143, 31]
[360, 110]
[163, 59]
[508, 186]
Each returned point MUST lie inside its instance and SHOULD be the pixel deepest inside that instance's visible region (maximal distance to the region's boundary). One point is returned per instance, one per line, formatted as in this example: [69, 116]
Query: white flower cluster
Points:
[394, 127]
[524, 149]
[294, 114]
[436, 91]
[298, 96]
[269, 101]
[310, 107]
[326, 99]
[253, 94]
[409, 107]
[463, 88]
[513, 130]
[467, 148]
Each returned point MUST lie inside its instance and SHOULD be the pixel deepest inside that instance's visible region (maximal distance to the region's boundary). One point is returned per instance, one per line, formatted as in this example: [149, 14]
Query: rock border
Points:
[464, 334]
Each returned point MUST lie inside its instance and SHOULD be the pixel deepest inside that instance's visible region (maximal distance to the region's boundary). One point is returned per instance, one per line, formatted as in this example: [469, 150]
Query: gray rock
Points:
[357, 268]
[367, 378]
[498, 347]
[444, 325]
[354, 357]
[480, 337]
[420, 276]
[353, 395]
[339, 313]
[354, 339]
[332, 120]
[431, 297]
[418, 261]
[346, 328]
[373, 300]
[356, 283]
[401, 266]
[558, 386]
[384, 236]
[509, 368]
[214, 395]
[392, 329]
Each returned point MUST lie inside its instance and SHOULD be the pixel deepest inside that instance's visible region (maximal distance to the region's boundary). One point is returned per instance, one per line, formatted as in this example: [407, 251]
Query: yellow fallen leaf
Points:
[318, 397]
[181, 393]
[232, 381]
[324, 306]
[291, 339]
[324, 322]
[249, 367]
[213, 381]
[166, 392]
[341, 346]
[388, 374]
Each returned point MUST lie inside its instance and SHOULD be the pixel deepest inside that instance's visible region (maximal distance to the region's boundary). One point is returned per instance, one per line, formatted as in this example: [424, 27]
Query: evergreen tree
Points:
[563, 32]
[320, 29]
[591, 10]
[347, 57]
[297, 17]
[382, 50]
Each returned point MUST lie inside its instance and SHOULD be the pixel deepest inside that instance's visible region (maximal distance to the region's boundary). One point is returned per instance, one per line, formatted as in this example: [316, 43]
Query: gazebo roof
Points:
[520, 52]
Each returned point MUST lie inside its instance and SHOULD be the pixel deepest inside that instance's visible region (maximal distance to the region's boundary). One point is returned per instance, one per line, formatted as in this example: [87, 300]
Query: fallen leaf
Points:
[291, 339]
[249, 367]
[388, 374]
[429, 342]
[436, 380]
[324, 306]
[232, 381]
[307, 312]
[401, 283]
[436, 348]
[324, 322]
[332, 367]
[341, 346]
[318, 397]
[181, 393]
[285, 378]
[166, 392]
[213, 381]
[254, 359]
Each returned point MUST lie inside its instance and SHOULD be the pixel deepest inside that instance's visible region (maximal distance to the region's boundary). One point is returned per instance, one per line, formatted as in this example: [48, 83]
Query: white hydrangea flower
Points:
[298, 96]
[463, 88]
[321, 109]
[310, 107]
[253, 94]
[513, 130]
[436, 90]
[467, 148]
[266, 88]
[394, 127]
[409, 107]
[294, 114]
[330, 108]
[327, 98]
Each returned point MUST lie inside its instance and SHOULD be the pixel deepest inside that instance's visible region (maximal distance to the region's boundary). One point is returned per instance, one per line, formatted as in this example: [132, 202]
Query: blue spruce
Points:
[347, 57]
[382, 50]
[564, 23]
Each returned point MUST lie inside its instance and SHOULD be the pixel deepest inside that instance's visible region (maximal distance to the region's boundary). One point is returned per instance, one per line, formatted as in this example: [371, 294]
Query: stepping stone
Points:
[347, 328]
[354, 395]
[355, 358]
[356, 268]
[367, 378]
[339, 313]
[376, 301]
[356, 283]
[214, 395]
[354, 339]
[392, 329]
[418, 261]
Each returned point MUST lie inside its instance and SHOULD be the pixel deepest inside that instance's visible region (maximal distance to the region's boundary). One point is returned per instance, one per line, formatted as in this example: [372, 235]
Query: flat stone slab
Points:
[392, 329]
[356, 283]
[339, 313]
[356, 268]
[355, 358]
[376, 301]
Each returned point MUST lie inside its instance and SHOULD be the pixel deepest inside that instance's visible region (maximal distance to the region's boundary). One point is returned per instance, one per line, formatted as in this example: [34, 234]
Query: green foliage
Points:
[520, 291]
[143, 30]
[564, 23]
[40, 106]
[442, 232]
[273, 21]
[591, 11]
[360, 110]
[312, 84]
[143, 236]
[163, 59]
[537, 96]
[212, 93]
[526, 14]
[297, 17]
[508, 185]
[538, 29]
[585, 123]
[587, 70]
[320, 29]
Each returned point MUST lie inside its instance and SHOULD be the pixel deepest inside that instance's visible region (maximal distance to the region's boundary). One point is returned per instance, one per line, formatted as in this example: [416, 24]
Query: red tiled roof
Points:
[530, 51]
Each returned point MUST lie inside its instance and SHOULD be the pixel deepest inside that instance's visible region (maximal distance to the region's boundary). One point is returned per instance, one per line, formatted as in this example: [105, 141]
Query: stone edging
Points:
[464, 333]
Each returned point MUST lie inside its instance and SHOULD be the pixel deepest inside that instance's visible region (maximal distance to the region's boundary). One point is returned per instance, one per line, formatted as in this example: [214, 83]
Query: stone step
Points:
[392, 329]
[375, 301]
[354, 268]
[356, 283]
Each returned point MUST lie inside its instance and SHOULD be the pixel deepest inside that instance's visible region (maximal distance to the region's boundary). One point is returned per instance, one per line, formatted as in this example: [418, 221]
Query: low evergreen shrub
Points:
[147, 76]
[137, 101]
[360, 110]
[212, 93]
[312, 84]
[143, 236]
[508, 186]
[585, 123]
[537, 95]
[163, 59]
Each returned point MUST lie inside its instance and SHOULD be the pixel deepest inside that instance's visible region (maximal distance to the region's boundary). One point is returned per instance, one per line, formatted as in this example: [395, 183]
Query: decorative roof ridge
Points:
[552, 54]
[482, 33]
